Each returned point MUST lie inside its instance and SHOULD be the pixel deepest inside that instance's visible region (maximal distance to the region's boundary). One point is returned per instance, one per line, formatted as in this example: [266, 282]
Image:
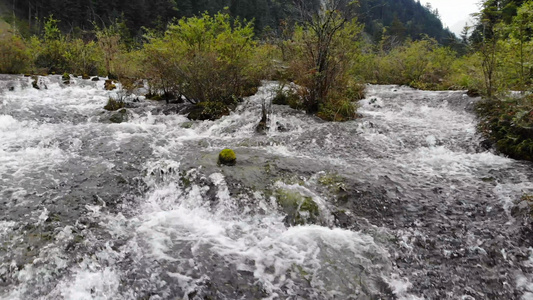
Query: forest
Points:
[214, 53]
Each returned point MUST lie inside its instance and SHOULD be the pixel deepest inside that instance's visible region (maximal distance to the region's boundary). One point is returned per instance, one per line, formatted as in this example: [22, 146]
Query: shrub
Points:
[14, 55]
[51, 50]
[82, 58]
[206, 58]
[337, 110]
[421, 64]
[321, 52]
[509, 125]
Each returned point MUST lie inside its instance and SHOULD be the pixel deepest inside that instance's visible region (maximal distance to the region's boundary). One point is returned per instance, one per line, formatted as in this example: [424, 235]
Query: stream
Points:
[406, 202]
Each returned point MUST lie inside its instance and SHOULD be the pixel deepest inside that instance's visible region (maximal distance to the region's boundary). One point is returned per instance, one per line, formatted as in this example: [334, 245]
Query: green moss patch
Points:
[300, 209]
[113, 104]
[227, 157]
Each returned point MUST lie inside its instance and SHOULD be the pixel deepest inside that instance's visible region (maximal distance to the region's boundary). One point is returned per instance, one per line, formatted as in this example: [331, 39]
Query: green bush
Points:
[83, 58]
[509, 125]
[421, 64]
[337, 110]
[206, 58]
[320, 54]
[14, 55]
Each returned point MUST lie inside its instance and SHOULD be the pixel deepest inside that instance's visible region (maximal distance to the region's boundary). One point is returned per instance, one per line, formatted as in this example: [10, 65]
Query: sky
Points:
[454, 13]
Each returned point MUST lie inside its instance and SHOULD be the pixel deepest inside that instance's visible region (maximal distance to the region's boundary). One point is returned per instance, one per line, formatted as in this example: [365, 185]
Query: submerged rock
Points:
[119, 117]
[109, 85]
[300, 210]
[227, 157]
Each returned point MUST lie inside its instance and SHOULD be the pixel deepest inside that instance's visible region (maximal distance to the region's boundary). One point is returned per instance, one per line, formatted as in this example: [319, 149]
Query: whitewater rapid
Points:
[410, 204]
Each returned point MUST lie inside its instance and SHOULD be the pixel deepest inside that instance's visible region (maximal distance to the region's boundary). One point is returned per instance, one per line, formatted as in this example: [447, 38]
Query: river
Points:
[405, 202]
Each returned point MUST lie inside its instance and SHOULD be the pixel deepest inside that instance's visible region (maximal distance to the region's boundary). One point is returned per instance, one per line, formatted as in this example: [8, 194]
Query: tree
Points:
[322, 50]
[486, 41]
[521, 29]
[109, 42]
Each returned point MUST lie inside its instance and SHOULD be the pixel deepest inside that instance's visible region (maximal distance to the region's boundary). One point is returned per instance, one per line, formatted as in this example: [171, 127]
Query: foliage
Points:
[320, 55]
[82, 58]
[50, 51]
[465, 74]
[287, 96]
[378, 16]
[109, 43]
[509, 124]
[517, 49]
[207, 58]
[14, 55]
[420, 64]
[337, 110]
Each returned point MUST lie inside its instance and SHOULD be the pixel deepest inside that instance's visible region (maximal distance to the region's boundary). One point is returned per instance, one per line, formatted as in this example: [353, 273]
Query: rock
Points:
[113, 104]
[119, 117]
[281, 127]
[300, 210]
[109, 85]
[473, 93]
[227, 157]
[95, 78]
[186, 125]
[262, 127]
[208, 110]
[85, 76]
[66, 78]
[34, 83]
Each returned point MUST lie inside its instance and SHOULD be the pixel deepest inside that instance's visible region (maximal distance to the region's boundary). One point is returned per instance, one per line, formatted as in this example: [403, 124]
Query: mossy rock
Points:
[113, 104]
[334, 182]
[85, 76]
[155, 97]
[66, 78]
[109, 85]
[300, 210]
[187, 125]
[35, 82]
[119, 117]
[209, 110]
[227, 157]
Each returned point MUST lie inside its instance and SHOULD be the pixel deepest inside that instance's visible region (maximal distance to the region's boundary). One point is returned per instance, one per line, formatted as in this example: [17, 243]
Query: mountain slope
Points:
[403, 18]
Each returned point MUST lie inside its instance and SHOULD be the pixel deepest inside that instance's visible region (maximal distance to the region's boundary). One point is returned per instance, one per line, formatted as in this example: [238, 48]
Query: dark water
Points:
[407, 203]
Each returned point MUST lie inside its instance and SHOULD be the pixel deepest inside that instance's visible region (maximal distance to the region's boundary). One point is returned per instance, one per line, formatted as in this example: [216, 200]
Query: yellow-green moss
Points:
[227, 157]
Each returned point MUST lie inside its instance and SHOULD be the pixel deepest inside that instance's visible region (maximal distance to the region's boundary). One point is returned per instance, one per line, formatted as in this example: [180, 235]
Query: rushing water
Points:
[411, 206]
